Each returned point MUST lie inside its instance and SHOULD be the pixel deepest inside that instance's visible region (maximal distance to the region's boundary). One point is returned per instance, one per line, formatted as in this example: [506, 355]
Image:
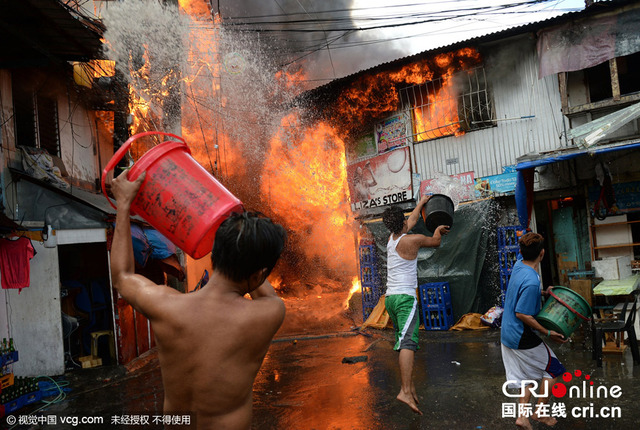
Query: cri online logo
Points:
[586, 390]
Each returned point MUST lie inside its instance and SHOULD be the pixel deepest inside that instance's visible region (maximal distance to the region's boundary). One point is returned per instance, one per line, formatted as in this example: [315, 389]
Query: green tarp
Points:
[461, 260]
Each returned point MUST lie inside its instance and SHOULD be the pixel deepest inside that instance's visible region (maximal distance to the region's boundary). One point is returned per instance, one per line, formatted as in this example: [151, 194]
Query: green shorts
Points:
[403, 311]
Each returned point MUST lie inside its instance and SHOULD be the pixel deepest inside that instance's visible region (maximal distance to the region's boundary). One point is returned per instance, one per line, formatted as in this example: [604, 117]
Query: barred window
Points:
[36, 115]
[450, 105]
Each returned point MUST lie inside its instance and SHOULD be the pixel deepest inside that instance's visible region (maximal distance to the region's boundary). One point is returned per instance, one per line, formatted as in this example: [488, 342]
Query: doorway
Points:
[86, 302]
[563, 223]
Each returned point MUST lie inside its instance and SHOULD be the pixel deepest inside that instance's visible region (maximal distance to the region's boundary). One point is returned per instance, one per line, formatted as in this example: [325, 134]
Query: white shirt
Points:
[402, 274]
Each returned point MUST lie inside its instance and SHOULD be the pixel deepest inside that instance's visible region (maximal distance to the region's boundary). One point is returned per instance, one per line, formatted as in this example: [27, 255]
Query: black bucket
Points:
[438, 211]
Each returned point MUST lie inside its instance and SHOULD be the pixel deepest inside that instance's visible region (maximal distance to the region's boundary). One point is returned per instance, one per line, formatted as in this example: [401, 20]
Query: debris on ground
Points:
[357, 359]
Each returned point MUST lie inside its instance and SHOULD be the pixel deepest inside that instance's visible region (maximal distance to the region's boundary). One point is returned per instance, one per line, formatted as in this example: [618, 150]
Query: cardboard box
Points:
[612, 267]
[89, 361]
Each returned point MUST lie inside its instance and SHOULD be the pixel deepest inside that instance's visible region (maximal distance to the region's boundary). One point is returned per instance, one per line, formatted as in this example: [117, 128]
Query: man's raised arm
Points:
[415, 215]
[141, 293]
[122, 262]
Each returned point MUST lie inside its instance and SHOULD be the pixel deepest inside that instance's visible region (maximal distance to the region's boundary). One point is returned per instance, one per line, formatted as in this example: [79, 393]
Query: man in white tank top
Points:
[402, 282]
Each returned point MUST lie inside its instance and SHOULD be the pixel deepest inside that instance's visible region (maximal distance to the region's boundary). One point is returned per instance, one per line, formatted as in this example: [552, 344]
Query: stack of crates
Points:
[435, 300]
[370, 282]
[508, 254]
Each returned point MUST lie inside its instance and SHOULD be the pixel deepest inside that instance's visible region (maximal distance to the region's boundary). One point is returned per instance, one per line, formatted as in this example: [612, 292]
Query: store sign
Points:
[380, 181]
[504, 183]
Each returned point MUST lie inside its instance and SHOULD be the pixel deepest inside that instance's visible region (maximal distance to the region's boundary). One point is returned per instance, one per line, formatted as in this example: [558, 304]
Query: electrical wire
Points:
[62, 395]
[369, 8]
[204, 139]
[325, 37]
[426, 18]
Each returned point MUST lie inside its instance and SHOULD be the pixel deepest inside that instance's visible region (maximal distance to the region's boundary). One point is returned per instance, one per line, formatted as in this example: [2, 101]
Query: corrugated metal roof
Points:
[597, 7]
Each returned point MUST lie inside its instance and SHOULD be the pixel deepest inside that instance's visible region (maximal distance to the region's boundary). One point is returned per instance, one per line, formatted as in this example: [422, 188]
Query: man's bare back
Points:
[211, 344]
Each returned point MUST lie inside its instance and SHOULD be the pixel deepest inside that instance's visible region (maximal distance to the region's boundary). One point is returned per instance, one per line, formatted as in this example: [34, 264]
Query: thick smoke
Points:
[307, 50]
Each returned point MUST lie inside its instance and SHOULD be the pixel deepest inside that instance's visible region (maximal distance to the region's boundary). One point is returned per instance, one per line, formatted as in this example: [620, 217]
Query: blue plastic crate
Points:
[13, 405]
[32, 397]
[437, 318]
[370, 293]
[367, 254]
[435, 301]
[8, 358]
[508, 236]
[369, 274]
[48, 389]
[504, 279]
[435, 295]
[507, 257]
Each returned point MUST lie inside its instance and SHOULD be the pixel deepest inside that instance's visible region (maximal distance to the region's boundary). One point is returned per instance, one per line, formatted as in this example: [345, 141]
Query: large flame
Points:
[305, 183]
[375, 96]
[292, 170]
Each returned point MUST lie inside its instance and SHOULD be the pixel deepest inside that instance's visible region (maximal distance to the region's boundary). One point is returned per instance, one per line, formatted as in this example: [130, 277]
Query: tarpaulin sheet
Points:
[55, 208]
[459, 259]
[588, 42]
[149, 243]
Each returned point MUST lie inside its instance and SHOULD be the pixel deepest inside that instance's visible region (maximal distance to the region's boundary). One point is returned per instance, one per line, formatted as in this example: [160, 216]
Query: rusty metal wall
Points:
[511, 69]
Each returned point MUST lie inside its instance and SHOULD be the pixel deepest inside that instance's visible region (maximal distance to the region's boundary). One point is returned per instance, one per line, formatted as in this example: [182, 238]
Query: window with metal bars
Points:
[36, 116]
[450, 105]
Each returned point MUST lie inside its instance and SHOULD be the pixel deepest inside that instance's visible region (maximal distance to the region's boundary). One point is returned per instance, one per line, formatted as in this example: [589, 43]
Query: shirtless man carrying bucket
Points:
[211, 343]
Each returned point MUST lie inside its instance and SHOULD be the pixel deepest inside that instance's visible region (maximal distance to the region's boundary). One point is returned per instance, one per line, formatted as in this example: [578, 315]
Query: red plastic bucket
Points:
[178, 197]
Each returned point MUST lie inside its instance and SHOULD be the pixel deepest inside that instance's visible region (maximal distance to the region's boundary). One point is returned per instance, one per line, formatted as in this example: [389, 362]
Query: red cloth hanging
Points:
[14, 262]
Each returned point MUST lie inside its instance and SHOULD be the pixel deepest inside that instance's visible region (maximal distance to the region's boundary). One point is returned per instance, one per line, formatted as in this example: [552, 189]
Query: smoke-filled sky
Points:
[333, 38]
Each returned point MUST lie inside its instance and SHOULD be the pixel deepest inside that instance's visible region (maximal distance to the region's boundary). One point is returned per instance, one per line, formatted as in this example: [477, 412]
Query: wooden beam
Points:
[564, 97]
[615, 83]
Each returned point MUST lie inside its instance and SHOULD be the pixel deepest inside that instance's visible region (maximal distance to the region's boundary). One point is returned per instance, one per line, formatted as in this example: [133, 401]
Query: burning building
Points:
[324, 163]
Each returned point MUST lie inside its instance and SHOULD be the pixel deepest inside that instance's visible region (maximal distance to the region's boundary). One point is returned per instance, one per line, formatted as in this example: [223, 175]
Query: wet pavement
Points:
[304, 384]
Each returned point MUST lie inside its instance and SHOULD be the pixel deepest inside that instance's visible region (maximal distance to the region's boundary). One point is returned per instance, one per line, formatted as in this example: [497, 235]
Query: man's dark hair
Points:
[246, 243]
[393, 219]
[530, 246]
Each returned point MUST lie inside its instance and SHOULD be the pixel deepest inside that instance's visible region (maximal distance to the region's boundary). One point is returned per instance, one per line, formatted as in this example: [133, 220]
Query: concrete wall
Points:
[35, 318]
[77, 145]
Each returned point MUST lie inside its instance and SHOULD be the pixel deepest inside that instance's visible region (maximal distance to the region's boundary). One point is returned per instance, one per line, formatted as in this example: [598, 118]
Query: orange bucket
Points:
[178, 197]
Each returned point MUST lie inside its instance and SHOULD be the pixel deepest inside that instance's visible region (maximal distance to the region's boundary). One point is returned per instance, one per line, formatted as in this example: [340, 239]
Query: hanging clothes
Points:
[14, 262]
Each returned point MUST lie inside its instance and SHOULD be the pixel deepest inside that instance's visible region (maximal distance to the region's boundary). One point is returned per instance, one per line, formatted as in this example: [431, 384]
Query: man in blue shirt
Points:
[525, 356]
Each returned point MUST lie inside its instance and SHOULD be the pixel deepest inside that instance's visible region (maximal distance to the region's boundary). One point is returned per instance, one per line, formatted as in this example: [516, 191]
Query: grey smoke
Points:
[295, 47]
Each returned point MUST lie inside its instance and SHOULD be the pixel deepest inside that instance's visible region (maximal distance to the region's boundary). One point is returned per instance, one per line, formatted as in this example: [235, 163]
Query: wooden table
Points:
[614, 292]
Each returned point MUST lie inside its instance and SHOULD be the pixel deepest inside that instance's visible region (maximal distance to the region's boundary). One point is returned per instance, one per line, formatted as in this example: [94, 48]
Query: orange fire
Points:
[197, 8]
[304, 181]
[355, 287]
[276, 282]
[375, 96]
[294, 172]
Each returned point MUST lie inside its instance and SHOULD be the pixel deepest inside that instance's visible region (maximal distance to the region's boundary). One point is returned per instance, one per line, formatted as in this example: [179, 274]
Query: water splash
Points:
[235, 114]
[444, 184]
